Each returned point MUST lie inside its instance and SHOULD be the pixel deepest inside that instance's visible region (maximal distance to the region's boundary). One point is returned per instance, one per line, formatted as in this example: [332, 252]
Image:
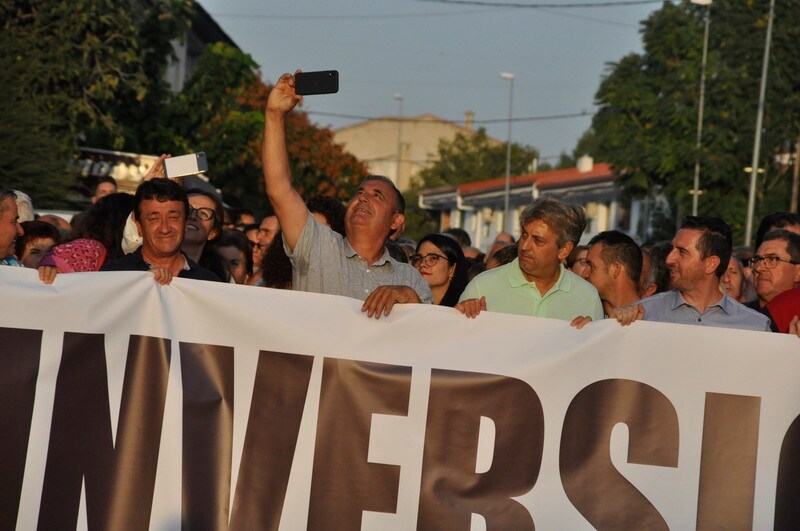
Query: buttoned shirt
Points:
[508, 291]
[323, 261]
[671, 307]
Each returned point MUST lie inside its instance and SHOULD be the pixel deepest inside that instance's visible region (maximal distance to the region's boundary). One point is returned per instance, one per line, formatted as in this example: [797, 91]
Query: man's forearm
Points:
[275, 158]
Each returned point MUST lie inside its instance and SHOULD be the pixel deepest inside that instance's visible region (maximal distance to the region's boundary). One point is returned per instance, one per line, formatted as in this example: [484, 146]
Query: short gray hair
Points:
[24, 206]
[566, 219]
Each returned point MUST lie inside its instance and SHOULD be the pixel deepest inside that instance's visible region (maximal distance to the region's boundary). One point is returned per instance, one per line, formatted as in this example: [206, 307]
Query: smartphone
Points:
[191, 164]
[323, 82]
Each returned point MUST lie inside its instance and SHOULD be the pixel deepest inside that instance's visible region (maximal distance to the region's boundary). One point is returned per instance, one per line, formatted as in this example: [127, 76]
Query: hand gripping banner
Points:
[128, 405]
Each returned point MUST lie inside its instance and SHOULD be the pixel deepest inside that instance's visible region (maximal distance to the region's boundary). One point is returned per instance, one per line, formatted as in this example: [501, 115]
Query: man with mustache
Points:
[357, 265]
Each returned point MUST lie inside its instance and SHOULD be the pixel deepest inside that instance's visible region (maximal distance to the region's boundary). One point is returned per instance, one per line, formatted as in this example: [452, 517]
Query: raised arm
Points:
[288, 205]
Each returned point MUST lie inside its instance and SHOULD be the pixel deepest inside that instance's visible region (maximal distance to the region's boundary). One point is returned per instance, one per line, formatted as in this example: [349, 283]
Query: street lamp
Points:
[699, 144]
[751, 200]
[399, 98]
[510, 78]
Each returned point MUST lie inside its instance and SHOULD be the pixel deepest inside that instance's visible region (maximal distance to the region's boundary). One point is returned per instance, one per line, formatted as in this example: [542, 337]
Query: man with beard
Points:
[356, 265]
[700, 253]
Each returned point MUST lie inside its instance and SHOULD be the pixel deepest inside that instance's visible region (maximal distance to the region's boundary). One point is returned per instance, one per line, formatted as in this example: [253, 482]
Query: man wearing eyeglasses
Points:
[160, 209]
[776, 268]
[357, 265]
[700, 254]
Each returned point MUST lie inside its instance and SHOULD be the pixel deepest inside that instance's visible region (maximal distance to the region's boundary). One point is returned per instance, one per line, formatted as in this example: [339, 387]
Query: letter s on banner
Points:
[602, 495]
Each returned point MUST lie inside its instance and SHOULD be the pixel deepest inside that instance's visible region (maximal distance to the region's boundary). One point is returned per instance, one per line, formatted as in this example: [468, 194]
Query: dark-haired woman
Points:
[441, 262]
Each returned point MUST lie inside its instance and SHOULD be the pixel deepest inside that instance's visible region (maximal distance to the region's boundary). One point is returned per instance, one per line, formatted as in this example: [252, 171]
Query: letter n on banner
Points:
[119, 481]
[602, 495]
[451, 489]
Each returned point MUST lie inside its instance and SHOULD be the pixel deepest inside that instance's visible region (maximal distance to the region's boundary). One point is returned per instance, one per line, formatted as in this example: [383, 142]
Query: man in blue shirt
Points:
[700, 253]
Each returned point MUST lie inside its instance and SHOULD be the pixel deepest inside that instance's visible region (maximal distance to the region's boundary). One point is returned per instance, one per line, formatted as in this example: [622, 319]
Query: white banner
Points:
[127, 405]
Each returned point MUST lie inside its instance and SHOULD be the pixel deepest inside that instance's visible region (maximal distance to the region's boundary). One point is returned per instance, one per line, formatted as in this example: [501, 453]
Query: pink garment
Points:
[76, 256]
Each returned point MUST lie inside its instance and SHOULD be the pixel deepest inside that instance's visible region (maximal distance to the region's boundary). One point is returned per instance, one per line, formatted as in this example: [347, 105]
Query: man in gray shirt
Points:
[358, 265]
[700, 254]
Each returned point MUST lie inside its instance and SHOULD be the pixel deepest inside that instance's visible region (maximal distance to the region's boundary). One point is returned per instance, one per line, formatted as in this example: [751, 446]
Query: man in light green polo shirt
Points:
[536, 283]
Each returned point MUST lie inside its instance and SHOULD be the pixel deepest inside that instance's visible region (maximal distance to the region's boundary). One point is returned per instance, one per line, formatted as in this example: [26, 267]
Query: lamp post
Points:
[510, 78]
[699, 144]
[751, 200]
[399, 98]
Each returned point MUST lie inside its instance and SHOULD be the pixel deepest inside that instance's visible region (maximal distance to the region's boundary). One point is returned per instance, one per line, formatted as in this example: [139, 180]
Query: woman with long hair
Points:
[441, 262]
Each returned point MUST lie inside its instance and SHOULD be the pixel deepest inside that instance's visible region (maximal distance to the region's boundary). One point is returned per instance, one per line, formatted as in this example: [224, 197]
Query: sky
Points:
[444, 57]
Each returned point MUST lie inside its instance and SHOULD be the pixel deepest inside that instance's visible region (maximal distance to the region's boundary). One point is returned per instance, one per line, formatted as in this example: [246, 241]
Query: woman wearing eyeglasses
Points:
[441, 262]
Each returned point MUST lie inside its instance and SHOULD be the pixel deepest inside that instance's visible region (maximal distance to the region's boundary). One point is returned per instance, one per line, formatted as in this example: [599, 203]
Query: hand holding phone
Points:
[323, 82]
[191, 164]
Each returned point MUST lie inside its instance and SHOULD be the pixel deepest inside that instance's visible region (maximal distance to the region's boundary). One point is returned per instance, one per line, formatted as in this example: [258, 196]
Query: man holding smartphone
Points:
[357, 265]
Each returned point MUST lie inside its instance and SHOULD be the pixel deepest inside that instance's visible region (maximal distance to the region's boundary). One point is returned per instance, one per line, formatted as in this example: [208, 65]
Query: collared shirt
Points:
[324, 262]
[136, 262]
[671, 307]
[10, 261]
[508, 291]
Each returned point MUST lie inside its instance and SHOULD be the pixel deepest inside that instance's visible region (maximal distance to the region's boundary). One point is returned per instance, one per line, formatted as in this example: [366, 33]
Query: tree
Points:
[35, 160]
[83, 56]
[80, 72]
[464, 159]
[91, 72]
[474, 158]
[648, 107]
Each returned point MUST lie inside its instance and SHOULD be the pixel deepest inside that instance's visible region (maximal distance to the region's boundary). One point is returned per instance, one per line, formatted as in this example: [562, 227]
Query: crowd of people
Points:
[359, 251]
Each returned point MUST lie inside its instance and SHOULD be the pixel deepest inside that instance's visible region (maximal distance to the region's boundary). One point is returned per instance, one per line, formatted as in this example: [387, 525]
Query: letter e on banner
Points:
[451, 488]
[343, 482]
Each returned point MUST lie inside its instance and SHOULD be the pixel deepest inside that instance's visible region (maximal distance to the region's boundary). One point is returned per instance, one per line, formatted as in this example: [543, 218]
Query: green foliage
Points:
[465, 159]
[84, 72]
[419, 222]
[474, 158]
[647, 119]
[82, 56]
[35, 160]
[147, 124]
[91, 72]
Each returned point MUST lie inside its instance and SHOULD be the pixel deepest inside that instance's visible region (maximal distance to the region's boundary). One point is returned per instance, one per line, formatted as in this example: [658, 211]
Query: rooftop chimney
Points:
[469, 119]
[585, 164]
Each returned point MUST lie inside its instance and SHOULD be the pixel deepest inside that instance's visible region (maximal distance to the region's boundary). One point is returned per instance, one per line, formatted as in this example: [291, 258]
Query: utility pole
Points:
[795, 178]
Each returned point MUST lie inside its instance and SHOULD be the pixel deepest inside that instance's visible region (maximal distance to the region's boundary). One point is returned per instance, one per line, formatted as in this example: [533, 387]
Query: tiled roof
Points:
[543, 180]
